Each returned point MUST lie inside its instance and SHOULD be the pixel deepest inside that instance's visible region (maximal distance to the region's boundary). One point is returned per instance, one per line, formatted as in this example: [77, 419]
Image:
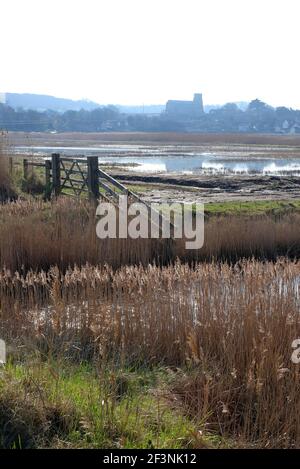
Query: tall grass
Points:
[228, 328]
[37, 235]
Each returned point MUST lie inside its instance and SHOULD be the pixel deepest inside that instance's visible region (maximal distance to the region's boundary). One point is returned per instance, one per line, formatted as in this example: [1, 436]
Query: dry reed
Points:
[37, 235]
[229, 328]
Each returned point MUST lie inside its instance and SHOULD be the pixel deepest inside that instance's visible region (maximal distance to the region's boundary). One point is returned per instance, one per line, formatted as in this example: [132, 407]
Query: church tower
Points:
[198, 103]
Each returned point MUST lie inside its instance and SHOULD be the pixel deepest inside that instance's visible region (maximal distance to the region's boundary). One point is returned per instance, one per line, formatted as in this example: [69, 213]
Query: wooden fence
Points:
[78, 176]
[82, 176]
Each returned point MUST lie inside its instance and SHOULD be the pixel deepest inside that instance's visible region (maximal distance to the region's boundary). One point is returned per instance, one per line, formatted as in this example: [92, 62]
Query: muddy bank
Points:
[215, 188]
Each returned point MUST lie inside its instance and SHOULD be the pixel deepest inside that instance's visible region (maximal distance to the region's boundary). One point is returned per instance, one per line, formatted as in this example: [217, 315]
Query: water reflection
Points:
[172, 159]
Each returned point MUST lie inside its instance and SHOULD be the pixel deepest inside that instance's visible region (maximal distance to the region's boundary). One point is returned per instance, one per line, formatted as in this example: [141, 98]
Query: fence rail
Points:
[83, 175]
[78, 175]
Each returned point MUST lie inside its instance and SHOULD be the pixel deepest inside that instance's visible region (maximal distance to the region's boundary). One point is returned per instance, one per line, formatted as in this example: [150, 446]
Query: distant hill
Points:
[40, 102]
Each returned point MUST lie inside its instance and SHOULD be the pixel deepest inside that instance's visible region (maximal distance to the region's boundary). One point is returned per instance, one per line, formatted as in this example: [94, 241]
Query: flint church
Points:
[185, 109]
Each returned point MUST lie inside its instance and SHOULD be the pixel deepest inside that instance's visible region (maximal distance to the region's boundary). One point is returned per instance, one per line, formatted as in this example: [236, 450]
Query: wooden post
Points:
[93, 177]
[47, 172]
[56, 183]
[10, 165]
[25, 169]
[48, 179]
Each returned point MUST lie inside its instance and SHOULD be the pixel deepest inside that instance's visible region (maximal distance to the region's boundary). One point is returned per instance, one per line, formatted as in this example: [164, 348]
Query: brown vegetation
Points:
[69, 138]
[38, 235]
[229, 328]
[29, 420]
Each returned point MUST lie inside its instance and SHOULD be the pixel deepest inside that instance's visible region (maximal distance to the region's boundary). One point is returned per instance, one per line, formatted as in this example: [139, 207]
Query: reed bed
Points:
[220, 320]
[37, 235]
[223, 331]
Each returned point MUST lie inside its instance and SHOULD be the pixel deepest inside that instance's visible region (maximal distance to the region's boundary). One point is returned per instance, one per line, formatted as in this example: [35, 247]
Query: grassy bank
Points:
[60, 405]
[261, 207]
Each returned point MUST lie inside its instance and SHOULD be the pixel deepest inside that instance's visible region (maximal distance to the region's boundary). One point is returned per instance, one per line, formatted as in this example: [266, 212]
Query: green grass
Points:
[264, 207]
[271, 208]
[113, 408]
[34, 185]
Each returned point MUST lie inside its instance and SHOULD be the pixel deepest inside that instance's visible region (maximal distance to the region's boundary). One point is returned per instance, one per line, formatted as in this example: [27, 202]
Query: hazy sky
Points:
[147, 51]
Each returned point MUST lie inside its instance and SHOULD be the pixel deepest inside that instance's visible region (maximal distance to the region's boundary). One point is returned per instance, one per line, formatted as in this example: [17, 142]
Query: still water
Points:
[166, 160]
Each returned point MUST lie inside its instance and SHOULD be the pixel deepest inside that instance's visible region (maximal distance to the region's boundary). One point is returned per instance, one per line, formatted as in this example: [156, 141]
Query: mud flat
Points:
[150, 138]
[214, 188]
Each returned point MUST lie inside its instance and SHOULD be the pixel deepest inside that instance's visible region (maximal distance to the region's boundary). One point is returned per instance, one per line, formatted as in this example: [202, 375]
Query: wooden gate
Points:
[74, 176]
[82, 176]
[78, 177]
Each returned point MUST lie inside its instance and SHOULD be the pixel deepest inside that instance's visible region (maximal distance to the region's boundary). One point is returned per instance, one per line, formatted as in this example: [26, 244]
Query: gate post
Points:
[10, 165]
[25, 169]
[48, 179]
[47, 172]
[56, 184]
[93, 177]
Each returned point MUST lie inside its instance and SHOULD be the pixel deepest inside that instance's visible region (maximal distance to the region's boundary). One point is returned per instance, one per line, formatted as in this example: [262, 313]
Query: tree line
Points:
[257, 117]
